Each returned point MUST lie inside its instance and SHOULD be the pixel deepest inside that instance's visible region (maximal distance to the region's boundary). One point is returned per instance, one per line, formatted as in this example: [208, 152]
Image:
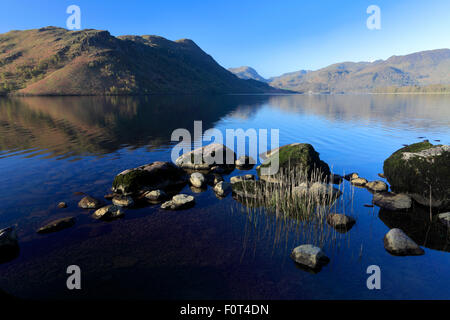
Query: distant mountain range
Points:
[421, 69]
[55, 61]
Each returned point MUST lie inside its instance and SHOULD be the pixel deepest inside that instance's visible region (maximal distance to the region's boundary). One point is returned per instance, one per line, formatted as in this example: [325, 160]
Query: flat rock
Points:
[310, 256]
[242, 178]
[197, 179]
[57, 225]
[89, 202]
[123, 201]
[222, 188]
[340, 222]
[398, 243]
[108, 212]
[359, 182]
[178, 202]
[377, 186]
[392, 201]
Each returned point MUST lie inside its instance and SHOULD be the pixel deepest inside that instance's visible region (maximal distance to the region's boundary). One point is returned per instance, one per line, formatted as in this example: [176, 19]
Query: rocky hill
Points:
[55, 61]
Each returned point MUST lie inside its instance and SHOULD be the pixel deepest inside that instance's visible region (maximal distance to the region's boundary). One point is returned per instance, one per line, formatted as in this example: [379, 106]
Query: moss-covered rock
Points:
[156, 175]
[421, 170]
[298, 159]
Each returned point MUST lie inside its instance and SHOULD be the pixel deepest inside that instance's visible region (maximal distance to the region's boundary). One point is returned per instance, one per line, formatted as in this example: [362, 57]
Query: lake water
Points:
[53, 147]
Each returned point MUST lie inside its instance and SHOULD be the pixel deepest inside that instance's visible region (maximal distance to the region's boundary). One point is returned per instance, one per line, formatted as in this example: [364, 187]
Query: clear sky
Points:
[273, 36]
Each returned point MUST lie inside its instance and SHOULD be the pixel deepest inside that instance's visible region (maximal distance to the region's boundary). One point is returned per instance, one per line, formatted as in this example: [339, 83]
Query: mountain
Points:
[245, 72]
[421, 69]
[55, 61]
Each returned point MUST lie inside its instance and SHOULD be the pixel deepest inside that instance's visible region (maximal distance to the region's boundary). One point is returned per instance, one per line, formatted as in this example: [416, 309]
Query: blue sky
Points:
[272, 36]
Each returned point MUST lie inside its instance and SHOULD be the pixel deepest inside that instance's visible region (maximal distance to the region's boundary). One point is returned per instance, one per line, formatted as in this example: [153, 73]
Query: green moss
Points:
[129, 182]
[419, 175]
[298, 156]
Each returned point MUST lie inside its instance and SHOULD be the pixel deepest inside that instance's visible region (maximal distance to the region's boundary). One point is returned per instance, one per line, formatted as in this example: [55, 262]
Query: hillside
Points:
[246, 73]
[55, 61]
[416, 70]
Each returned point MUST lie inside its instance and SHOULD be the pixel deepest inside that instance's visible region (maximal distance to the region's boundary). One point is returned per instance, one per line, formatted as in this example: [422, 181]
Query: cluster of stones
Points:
[418, 172]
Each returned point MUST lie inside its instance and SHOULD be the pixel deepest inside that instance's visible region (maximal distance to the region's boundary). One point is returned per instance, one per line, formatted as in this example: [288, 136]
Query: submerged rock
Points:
[340, 222]
[178, 202]
[392, 201]
[197, 179]
[108, 212]
[316, 190]
[422, 171]
[398, 243]
[381, 175]
[156, 175]
[377, 186]
[245, 163]
[57, 225]
[155, 196]
[294, 160]
[207, 157]
[309, 256]
[242, 178]
[123, 201]
[89, 202]
[222, 188]
[9, 246]
[430, 233]
[254, 189]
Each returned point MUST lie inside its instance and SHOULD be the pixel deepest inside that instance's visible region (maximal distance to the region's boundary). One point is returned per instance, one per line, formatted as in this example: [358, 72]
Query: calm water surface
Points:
[51, 148]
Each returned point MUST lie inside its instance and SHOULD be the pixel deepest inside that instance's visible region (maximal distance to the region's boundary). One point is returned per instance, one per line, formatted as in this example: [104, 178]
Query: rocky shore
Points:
[418, 175]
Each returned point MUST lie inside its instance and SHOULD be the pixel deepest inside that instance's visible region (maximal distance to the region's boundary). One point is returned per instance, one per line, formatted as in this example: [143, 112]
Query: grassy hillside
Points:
[414, 70]
[55, 61]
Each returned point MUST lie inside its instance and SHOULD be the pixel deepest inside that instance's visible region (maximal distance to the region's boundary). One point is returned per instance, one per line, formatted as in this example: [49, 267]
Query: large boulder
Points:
[299, 159]
[156, 175]
[207, 157]
[398, 243]
[421, 170]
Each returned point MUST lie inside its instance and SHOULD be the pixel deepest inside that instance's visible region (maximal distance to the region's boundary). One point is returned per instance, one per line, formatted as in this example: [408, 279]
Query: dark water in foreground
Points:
[53, 147]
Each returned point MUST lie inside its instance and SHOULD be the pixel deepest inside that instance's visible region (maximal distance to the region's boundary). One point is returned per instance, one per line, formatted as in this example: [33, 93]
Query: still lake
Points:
[53, 147]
